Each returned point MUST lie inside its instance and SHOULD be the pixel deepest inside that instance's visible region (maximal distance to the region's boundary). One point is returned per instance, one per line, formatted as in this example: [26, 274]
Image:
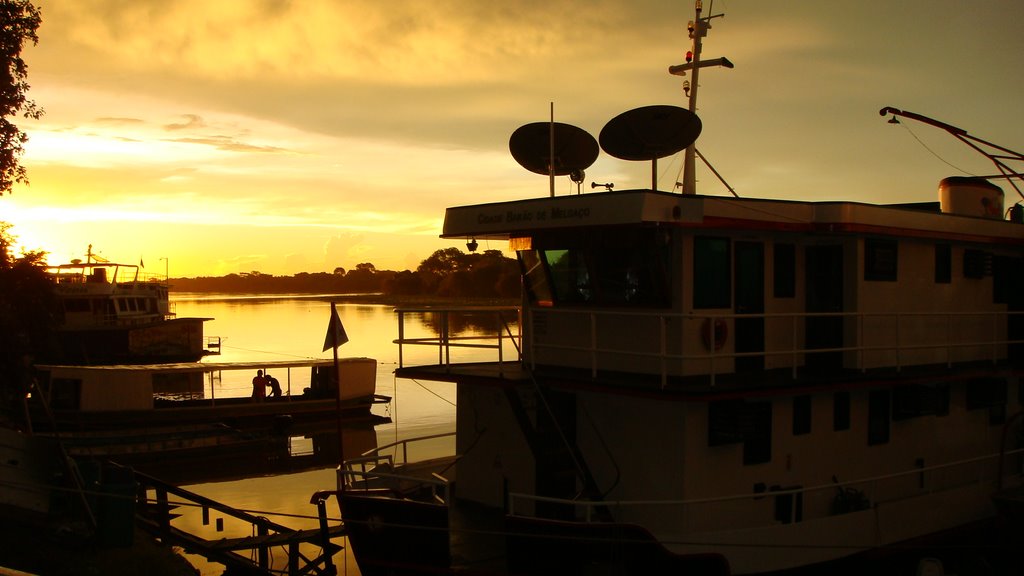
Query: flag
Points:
[336, 335]
[141, 265]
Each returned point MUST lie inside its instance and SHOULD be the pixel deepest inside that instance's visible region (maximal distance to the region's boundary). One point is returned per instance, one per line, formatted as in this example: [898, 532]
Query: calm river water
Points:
[290, 327]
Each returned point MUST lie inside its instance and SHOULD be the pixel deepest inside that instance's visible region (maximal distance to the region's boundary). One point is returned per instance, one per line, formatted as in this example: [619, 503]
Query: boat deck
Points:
[510, 374]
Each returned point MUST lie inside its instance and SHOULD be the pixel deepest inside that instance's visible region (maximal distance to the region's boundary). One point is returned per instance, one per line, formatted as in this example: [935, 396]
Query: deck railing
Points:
[504, 318]
[389, 467]
[805, 503]
[682, 341]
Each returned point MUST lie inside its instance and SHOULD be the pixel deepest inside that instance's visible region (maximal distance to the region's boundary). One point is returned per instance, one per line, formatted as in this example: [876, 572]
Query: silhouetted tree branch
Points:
[19, 20]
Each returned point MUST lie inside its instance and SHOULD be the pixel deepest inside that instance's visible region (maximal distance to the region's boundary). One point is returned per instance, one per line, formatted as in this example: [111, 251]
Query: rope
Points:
[932, 152]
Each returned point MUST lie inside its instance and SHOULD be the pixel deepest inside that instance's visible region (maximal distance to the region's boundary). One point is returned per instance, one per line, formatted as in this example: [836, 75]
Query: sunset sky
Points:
[212, 137]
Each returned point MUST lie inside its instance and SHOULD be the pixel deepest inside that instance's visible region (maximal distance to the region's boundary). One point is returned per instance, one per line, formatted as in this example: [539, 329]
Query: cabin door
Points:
[1015, 301]
[749, 274]
[824, 292]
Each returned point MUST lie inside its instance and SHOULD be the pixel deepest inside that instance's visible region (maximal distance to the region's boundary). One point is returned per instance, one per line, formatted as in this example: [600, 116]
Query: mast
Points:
[689, 160]
[698, 28]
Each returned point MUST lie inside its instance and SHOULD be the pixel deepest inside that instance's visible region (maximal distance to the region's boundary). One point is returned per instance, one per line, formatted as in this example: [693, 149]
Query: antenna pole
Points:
[689, 159]
[698, 29]
[551, 151]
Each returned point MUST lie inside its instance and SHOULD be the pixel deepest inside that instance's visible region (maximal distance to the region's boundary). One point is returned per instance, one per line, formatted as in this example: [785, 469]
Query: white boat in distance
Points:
[110, 313]
[714, 385]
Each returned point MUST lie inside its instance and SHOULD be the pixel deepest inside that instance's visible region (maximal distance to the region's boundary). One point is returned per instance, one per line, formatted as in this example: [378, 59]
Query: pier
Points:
[155, 513]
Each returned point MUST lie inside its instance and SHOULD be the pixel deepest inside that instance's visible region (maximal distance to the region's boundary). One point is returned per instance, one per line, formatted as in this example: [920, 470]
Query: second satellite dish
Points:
[574, 148]
[650, 132]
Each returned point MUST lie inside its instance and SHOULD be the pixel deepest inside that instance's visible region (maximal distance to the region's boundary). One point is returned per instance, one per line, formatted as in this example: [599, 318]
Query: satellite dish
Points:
[574, 149]
[650, 132]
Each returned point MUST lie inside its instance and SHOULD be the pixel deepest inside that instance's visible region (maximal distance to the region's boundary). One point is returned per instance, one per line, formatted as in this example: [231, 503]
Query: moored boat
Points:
[124, 396]
[715, 385]
[111, 313]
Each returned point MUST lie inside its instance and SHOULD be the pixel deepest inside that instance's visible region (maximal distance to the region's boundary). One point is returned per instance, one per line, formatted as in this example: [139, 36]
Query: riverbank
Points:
[398, 301]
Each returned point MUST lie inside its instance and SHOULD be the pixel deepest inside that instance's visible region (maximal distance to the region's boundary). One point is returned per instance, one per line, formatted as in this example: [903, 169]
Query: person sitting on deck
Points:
[259, 386]
[275, 386]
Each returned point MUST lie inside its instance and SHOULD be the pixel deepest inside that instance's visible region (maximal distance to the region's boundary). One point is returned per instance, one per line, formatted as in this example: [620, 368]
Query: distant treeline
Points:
[447, 273]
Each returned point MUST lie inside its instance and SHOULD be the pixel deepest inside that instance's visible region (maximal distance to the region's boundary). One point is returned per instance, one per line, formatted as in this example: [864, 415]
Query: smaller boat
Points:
[111, 312]
[180, 394]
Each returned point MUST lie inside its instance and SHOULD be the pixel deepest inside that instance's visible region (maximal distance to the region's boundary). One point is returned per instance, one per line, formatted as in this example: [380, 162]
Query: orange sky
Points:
[287, 136]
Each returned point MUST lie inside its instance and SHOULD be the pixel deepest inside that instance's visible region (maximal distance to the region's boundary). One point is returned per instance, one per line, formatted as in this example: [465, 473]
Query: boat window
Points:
[881, 259]
[841, 411]
[76, 305]
[976, 264]
[1001, 274]
[920, 400]
[537, 285]
[801, 414]
[724, 418]
[569, 275]
[712, 277]
[988, 394]
[943, 264]
[735, 421]
[757, 437]
[879, 403]
[65, 393]
[784, 271]
[611, 268]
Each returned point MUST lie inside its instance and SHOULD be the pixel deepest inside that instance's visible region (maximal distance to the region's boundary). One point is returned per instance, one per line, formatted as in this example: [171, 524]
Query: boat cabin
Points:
[682, 285]
[122, 388]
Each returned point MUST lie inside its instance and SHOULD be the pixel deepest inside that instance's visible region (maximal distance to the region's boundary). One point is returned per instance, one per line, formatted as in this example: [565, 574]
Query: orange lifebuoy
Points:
[721, 333]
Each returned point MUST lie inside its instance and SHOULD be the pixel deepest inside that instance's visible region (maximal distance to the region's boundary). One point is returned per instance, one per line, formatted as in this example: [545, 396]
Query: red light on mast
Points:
[689, 56]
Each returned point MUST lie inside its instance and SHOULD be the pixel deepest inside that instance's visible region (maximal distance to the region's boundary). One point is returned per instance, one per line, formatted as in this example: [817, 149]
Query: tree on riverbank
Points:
[27, 314]
[446, 273]
[26, 300]
[19, 20]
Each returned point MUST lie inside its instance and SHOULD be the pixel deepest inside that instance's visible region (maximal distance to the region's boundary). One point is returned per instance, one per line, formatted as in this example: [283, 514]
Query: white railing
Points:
[377, 469]
[681, 349]
[673, 343]
[445, 340]
[816, 501]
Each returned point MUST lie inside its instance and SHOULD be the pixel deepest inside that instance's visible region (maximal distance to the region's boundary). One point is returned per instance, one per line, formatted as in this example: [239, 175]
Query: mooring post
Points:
[264, 553]
[325, 537]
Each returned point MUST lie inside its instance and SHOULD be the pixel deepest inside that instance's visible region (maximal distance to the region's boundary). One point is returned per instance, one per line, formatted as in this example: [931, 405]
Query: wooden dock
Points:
[155, 513]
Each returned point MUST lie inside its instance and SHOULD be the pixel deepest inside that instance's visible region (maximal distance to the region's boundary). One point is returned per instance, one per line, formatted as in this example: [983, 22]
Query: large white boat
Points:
[715, 385]
[110, 313]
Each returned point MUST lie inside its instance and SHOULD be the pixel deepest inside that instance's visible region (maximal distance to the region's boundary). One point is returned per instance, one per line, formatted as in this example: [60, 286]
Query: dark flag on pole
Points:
[336, 335]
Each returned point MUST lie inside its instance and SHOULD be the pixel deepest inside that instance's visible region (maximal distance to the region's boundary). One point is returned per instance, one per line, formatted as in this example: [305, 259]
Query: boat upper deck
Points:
[503, 220]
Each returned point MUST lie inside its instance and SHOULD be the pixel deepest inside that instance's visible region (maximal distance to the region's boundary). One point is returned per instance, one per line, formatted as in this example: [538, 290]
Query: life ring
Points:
[721, 333]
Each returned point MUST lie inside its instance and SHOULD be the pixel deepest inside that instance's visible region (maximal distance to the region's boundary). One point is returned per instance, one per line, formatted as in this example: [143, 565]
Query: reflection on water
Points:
[276, 476]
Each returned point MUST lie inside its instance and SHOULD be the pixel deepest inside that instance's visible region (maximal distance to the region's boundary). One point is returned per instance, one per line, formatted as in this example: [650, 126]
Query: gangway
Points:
[155, 512]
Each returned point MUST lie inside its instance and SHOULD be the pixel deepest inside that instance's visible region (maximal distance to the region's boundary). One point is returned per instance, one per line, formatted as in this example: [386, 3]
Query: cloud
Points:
[192, 121]
[227, 144]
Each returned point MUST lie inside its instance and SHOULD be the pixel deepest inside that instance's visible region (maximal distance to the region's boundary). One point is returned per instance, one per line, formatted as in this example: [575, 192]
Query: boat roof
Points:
[503, 220]
[72, 265]
[201, 367]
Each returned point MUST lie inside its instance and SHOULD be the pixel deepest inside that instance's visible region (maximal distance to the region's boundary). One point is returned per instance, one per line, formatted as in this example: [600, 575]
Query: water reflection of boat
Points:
[110, 313]
[716, 385]
[293, 448]
[148, 395]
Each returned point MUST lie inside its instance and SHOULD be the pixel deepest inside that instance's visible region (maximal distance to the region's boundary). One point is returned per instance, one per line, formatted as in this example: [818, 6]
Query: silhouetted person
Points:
[259, 387]
[275, 386]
